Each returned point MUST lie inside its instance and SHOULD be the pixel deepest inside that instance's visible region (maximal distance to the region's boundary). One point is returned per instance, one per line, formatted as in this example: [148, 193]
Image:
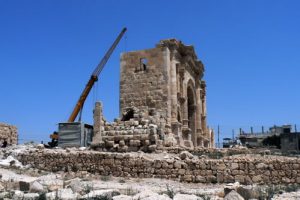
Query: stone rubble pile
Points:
[137, 133]
[127, 136]
[235, 191]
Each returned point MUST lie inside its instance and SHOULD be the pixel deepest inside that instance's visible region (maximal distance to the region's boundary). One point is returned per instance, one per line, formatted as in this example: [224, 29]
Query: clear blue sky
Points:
[48, 49]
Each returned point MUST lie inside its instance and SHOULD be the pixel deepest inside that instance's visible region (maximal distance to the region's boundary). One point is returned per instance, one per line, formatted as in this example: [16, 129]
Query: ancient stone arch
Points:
[167, 80]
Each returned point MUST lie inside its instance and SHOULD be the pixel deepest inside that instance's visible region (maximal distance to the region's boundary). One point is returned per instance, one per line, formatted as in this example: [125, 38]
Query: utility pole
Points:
[295, 128]
[251, 130]
[262, 129]
[218, 136]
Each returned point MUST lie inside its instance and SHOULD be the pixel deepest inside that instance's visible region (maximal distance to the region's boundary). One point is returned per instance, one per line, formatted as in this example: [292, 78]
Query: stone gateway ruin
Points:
[162, 102]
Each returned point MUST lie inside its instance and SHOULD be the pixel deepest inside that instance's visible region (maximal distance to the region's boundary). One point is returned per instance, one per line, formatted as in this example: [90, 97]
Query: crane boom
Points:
[94, 78]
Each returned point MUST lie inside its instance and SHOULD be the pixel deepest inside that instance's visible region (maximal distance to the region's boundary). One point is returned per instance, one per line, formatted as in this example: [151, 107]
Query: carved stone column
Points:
[185, 117]
[173, 82]
[203, 102]
[97, 123]
[198, 114]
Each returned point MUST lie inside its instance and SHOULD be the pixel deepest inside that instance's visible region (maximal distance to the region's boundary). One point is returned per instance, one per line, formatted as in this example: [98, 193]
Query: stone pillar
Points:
[203, 103]
[204, 113]
[185, 118]
[212, 139]
[198, 114]
[173, 85]
[97, 138]
[167, 72]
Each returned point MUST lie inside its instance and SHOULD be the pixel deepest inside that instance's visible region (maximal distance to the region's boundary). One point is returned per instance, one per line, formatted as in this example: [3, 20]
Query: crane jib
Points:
[94, 78]
[100, 66]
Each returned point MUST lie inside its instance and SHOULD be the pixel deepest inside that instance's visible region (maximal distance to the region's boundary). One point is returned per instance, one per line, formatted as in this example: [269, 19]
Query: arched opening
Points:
[191, 110]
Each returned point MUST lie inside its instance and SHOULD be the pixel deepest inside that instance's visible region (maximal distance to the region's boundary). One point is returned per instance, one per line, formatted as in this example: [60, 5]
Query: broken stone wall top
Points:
[8, 132]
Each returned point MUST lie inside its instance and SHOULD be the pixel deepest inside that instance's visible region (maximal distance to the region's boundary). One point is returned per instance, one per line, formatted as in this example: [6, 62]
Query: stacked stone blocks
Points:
[186, 167]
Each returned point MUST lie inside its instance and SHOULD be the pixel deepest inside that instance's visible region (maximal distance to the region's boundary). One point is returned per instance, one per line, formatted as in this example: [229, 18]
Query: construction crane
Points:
[94, 77]
[75, 133]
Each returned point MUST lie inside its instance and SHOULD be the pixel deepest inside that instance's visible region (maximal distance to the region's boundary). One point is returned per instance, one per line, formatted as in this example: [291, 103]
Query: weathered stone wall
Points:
[144, 87]
[185, 167]
[8, 132]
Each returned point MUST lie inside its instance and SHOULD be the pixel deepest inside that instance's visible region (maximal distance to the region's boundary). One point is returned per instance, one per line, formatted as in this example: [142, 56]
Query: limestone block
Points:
[248, 192]
[257, 179]
[200, 179]
[18, 195]
[122, 197]
[233, 195]
[234, 166]
[36, 187]
[152, 148]
[135, 143]
[211, 179]
[146, 142]
[153, 131]
[4, 195]
[228, 179]
[240, 178]
[261, 166]
[187, 178]
[64, 194]
[177, 165]
[136, 137]
[144, 137]
[185, 197]
[2, 188]
[122, 143]
[185, 154]
[31, 196]
[153, 138]
[181, 171]
[109, 144]
[51, 182]
[133, 148]
[221, 166]
[144, 122]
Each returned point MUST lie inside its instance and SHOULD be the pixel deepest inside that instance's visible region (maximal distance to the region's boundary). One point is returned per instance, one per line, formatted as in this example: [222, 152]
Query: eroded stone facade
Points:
[162, 101]
[9, 133]
[166, 81]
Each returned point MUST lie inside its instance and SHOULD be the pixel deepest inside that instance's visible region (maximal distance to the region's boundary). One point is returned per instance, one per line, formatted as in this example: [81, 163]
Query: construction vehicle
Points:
[75, 134]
